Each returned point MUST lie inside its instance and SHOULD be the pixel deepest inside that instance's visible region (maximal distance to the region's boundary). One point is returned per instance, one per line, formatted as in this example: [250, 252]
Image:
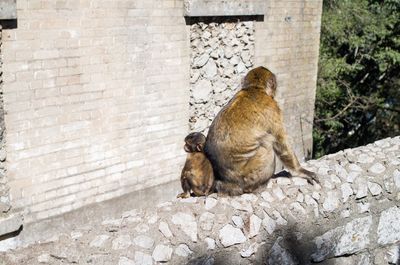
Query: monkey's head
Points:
[261, 77]
[194, 142]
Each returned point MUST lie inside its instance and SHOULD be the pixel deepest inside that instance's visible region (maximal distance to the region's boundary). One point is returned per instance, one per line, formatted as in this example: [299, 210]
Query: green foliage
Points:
[358, 92]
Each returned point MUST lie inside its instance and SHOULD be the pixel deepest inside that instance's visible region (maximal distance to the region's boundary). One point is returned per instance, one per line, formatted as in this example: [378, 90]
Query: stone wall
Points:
[352, 217]
[4, 189]
[221, 54]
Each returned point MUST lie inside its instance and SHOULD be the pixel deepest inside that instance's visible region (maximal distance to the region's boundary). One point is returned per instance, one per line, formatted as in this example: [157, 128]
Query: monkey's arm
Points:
[287, 156]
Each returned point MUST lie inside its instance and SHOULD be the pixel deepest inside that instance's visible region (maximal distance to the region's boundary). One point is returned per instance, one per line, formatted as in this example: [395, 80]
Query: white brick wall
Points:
[96, 98]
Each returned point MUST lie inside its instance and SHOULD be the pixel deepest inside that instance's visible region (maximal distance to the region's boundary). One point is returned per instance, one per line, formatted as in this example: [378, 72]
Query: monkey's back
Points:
[250, 112]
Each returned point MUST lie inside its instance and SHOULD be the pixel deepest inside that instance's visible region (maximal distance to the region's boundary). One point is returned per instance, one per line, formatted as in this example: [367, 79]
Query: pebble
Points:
[210, 243]
[143, 258]
[374, 188]
[164, 229]
[230, 235]
[255, 224]
[162, 253]
[183, 250]
[143, 241]
[121, 242]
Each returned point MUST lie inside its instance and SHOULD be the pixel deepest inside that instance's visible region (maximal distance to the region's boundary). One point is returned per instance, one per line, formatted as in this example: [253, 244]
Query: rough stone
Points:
[389, 226]
[230, 235]
[279, 255]
[255, 224]
[331, 201]
[267, 196]
[143, 241]
[207, 221]
[238, 221]
[201, 60]
[202, 90]
[210, 203]
[269, 224]
[99, 241]
[279, 193]
[246, 253]
[210, 70]
[374, 188]
[44, 258]
[121, 242]
[210, 243]
[164, 229]
[377, 168]
[162, 253]
[125, 261]
[183, 250]
[347, 191]
[143, 258]
[187, 223]
[396, 177]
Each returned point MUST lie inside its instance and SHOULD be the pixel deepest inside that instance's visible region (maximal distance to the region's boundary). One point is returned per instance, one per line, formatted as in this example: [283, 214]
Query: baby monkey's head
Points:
[194, 142]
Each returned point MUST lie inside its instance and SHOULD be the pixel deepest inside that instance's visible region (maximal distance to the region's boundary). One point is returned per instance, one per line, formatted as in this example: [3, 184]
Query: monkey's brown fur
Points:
[197, 174]
[245, 136]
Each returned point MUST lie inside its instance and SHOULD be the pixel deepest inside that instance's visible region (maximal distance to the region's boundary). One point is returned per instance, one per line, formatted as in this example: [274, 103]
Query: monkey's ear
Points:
[199, 147]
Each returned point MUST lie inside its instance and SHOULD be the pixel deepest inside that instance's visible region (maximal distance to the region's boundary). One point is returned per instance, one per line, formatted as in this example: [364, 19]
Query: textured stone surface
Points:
[327, 223]
[230, 236]
[389, 226]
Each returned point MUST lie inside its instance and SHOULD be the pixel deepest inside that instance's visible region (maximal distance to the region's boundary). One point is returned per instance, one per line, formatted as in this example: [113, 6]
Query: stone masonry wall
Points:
[221, 54]
[351, 218]
[96, 98]
[4, 189]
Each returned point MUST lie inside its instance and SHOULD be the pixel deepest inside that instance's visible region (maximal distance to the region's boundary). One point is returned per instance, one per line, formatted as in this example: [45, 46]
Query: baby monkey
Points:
[197, 174]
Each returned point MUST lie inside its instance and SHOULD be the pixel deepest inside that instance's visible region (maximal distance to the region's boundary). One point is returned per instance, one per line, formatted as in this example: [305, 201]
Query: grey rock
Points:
[164, 229]
[269, 224]
[210, 203]
[279, 255]
[362, 189]
[143, 258]
[125, 261]
[242, 205]
[143, 241]
[393, 255]
[207, 221]
[246, 253]
[355, 167]
[377, 168]
[228, 52]
[297, 181]
[295, 206]
[162, 253]
[300, 197]
[121, 242]
[347, 191]
[396, 177]
[279, 219]
[43, 258]
[183, 250]
[187, 223]
[210, 243]
[279, 193]
[238, 221]
[201, 91]
[352, 176]
[240, 67]
[331, 201]
[210, 70]
[142, 228]
[201, 60]
[344, 240]
[389, 226]
[76, 234]
[99, 241]
[249, 197]
[374, 188]
[363, 207]
[230, 235]
[255, 225]
[195, 76]
[365, 159]
[235, 60]
[267, 196]
[3, 155]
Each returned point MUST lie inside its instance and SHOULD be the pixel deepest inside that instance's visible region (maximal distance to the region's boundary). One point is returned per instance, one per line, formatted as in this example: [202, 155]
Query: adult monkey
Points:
[245, 136]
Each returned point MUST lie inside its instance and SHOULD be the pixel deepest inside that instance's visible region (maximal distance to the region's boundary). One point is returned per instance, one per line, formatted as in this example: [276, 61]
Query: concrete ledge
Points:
[10, 224]
[199, 8]
[8, 9]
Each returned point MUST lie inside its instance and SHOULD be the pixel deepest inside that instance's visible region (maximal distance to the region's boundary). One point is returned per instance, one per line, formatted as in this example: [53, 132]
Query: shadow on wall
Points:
[223, 19]
[9, 23]
[290, 245]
